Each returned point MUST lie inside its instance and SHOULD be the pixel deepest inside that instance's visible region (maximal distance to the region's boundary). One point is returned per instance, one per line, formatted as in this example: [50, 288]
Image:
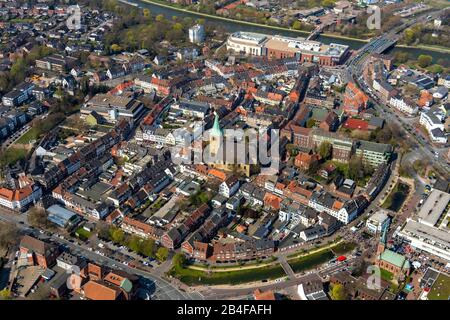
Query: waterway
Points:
[233, 26]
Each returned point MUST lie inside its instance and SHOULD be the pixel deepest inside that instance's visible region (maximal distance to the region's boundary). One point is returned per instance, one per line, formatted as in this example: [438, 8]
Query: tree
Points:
[148, 248]
[179, 260]
[5, 294]
[297, 25]
[146, 13]
[436, 68]
[325, 150]
[162, 253]
[37, 217]
[117, 235]
[8, 234]
[401, 57]
[338, 292]
[134, 243]
[425, 60]
[115, 48]
[310, 123]
[160, 18]
[103, 231]
[355, 168]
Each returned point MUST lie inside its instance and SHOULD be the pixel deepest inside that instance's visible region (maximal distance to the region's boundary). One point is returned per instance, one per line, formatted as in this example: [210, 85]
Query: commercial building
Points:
[280, 47]
[404, 105]
[433, 208]
[433, 121]
[113, 108]
[429, 239]
[197, 33]
[377, 222]
[56, 62]
[62, 217]
[18, 95]
[373, 153]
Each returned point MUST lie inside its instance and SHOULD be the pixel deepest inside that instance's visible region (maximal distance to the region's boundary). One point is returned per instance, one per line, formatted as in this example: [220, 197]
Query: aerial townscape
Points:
[224, 150]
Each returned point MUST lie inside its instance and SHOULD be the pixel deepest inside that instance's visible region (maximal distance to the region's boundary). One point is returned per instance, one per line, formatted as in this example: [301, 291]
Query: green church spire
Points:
[216, 130]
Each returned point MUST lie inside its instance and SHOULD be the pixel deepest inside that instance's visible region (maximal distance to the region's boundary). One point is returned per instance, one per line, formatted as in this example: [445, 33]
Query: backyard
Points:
[82, 234]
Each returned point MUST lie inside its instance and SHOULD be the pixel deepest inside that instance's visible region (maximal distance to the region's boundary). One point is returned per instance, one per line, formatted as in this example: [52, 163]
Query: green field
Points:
[310, 261]
[194, 277]
[386, 275]
[273, 271]
[440, 289]
[31, 134]
[82, 234]
[343, 247]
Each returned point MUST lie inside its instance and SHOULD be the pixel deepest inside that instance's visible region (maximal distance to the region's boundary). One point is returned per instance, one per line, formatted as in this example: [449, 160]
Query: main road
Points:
[162, 289]
[355, 67]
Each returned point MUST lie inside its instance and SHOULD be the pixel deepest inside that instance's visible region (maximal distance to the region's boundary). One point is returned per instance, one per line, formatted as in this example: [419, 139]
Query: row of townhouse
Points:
[342, 148]
[345, 212]
[405, 105]
[175, 236]
[95, 150]
[136, 64]
[243, 250]
[11, 122]
[18, 95]
[196, 244]
[141, 229]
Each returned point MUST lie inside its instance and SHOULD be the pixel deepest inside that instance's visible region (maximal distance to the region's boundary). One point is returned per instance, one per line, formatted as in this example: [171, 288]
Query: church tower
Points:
[382, 243]
[215, 137]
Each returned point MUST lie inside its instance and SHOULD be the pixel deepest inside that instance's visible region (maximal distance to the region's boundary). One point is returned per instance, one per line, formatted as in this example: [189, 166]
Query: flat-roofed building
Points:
[247, 42]
[113, 108]
[62, 217]
[434, 207]
[280, 47]
[427, 238]
[377, 222]
[373, 153]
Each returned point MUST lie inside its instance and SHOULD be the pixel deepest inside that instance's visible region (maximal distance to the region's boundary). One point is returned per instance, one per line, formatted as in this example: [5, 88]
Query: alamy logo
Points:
[374, 19]
[374, 280]
[74, 20]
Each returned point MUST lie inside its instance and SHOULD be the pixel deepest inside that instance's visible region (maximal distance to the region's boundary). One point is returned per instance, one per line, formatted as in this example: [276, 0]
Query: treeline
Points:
[20, 68]
[145, 247]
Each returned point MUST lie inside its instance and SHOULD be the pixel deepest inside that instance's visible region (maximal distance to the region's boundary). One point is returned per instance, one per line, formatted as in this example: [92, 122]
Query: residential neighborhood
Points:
[151, 156]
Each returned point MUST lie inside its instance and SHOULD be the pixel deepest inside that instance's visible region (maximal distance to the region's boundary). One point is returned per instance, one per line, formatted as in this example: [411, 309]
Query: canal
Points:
[233, 26]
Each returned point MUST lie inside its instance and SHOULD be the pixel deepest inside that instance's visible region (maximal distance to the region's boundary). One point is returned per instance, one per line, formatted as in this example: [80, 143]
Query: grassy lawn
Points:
[311, 260]
[31, 134]
[343, 247]
[193, 277]
[82, 234]
[386, 275]
[440, 289]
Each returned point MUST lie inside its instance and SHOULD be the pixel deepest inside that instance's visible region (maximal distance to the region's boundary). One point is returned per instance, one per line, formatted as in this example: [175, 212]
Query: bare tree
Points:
[8, 234]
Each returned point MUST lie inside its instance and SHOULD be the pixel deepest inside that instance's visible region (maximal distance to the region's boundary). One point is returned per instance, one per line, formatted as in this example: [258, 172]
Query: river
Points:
[230, 26]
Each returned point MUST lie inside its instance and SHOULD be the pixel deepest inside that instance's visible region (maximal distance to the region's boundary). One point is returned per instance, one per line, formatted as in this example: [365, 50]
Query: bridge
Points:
[316, 32]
